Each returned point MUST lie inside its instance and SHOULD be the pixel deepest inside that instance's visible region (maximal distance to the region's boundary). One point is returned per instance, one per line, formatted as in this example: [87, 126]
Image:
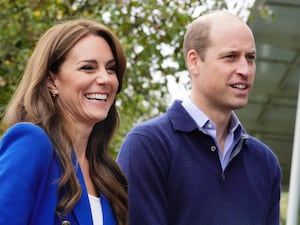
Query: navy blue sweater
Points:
[175, 176]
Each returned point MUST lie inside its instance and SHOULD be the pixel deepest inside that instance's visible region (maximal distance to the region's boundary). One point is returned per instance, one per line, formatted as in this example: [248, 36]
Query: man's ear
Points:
[51, 84]
[192, 61]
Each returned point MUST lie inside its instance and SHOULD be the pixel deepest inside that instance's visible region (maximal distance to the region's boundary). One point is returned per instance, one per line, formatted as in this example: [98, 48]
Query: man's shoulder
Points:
[152, 124]
[260, 148]
[175, 118]
[256, 143]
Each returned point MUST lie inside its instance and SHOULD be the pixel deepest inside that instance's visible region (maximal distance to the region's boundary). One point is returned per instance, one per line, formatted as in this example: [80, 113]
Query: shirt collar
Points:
[197, 115]
[203, 122]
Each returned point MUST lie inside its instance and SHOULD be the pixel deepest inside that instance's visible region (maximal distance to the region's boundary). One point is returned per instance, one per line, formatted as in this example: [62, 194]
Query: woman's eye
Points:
[112, 69]
[87, 67]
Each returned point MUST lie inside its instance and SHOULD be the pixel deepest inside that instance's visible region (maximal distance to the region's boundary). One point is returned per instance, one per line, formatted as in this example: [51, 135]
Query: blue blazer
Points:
[29, 174]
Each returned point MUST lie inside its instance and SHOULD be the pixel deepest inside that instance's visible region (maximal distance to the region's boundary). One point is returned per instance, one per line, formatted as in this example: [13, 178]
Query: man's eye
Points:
[230, 56]
[251, 57]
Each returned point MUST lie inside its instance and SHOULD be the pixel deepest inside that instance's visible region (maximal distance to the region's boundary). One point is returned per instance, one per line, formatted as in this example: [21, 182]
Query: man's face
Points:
[226, 74]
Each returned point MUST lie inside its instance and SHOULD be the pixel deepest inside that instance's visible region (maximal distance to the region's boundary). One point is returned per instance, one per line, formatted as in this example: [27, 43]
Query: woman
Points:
[54, 162]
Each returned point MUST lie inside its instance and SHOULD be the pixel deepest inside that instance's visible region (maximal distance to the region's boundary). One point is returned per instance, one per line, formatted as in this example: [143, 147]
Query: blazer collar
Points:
[108, 215]
[82, 209]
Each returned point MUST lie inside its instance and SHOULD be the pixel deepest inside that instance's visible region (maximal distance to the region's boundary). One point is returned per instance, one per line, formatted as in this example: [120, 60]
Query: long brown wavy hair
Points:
[33, 103]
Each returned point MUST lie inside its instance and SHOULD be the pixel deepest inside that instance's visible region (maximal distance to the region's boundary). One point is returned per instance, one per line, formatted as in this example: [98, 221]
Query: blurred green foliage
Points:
[145, 28]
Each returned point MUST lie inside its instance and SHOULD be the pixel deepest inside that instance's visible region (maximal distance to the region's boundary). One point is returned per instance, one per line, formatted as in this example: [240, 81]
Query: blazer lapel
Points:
[82, 209]
[108, 215]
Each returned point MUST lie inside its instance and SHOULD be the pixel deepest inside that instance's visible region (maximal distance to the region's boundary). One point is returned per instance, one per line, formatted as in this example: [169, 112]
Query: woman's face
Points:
[87, 82]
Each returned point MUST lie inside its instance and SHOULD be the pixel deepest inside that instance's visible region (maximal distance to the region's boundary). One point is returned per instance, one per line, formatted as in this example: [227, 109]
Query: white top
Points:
[96, 210]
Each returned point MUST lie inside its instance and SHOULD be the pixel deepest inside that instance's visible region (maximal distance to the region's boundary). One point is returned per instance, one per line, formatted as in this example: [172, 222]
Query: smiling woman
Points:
[89, 72]
[63, 116]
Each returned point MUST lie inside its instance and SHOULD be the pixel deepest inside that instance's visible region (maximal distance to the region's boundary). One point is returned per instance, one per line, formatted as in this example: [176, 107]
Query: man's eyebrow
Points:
[252, 53]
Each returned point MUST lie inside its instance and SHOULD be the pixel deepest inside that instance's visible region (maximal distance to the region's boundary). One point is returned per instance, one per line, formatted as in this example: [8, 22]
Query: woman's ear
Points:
[51, 84]
[192, 61]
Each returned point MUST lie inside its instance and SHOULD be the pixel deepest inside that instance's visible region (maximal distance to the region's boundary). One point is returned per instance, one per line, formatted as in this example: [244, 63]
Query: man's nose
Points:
[245, 67]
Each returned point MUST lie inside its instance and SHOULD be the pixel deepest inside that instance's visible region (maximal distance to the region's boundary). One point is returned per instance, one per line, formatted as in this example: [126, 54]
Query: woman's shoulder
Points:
[26, 163]
[26, 138]
[21, 126]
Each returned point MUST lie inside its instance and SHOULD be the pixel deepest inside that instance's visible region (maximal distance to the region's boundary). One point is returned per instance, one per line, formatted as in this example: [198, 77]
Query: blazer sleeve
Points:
[25, 157]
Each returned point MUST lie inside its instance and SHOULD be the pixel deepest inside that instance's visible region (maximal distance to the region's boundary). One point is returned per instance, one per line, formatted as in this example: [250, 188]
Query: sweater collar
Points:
[180, 118]
[182, 121]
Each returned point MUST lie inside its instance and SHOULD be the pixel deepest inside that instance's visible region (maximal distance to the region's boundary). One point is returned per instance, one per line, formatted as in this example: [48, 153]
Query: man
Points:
[196, 165]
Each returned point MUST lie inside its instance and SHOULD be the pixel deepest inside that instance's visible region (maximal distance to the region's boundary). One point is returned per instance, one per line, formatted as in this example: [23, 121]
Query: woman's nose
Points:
[102, 76]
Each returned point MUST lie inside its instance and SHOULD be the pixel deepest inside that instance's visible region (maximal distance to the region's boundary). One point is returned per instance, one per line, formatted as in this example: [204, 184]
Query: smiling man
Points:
[196, 164]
